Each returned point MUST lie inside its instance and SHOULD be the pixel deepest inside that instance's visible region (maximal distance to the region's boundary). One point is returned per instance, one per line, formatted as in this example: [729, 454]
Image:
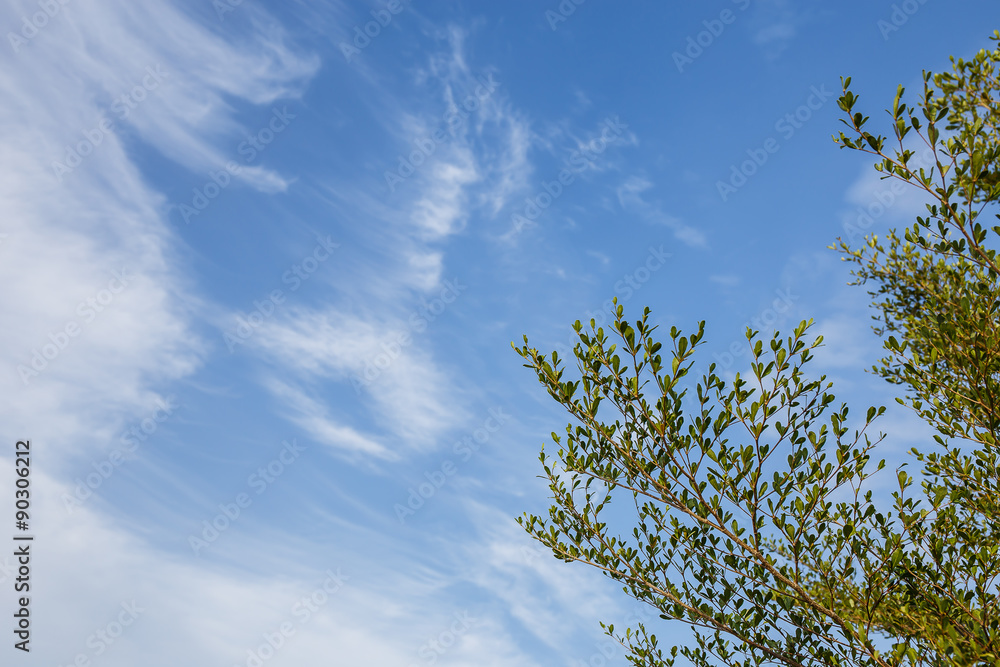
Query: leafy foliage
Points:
[753, 520]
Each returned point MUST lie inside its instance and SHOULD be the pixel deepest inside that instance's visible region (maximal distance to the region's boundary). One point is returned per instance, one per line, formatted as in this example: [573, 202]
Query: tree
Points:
[749, 512]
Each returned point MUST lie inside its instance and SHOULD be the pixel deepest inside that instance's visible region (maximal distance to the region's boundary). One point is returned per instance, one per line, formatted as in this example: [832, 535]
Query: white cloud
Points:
[214, 610]
[472, 168]
[63, 244]
[410, 396]
[312, 417]
[63, 241]
[848, 341]
[727, 280]
[76, 209]
[68, 232]
[774, 32]
[538, 590]
[775, 24]
[153, 71]
[441, 209]
[631, 199]
[877, 204]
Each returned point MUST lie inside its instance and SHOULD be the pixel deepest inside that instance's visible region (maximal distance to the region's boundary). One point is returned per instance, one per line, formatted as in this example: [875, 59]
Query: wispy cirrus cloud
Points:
[775, 23]
[462, 156]
[399, 382]
[99, 82]
[631, 198]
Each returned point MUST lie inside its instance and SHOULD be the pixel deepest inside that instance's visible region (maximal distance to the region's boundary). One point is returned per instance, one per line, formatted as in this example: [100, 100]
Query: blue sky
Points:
[264, 271]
